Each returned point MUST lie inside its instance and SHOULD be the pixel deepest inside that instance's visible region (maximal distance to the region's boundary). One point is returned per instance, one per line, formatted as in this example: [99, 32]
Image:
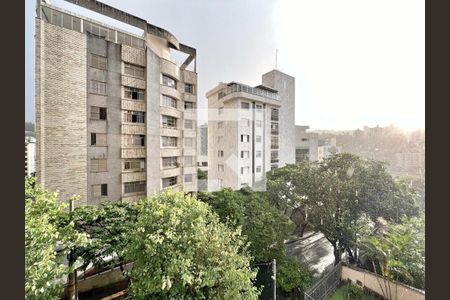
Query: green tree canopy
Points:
[180, 250]
[47, 242]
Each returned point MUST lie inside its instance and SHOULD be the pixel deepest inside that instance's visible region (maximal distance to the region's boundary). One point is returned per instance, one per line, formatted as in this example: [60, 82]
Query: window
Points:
[169, 141]
[134, 187]
[220, 110]
[273, 127]
[189, 124]
[169, 81]
[274, 142]
[219, 125]
[189, 142]
[258, 139]
[169, 181]
[245, 170]
[168, 121]
[220, 153]
[245, 105]
[219, 182]
[170, 162]
[258, 153]
[258, 169]
[98, 165]
[274, 166]
[258, 108]
[168, 101]
[135, 71]
[134, 164]
[274, 157]
[204, 163]
[97, 87]
[189, 88]
[188, 161]
[245, 122]
[304, 139]
[220, 168]
[245, 154]
[187, 178]
[99, 190]
[258, 123]
[99, 62]
[98, 113]
[133, 93]
[188, 105]
[274, 115]
[219, 139]
[245, 138]
[134, 140]
[98, 139]
[134, 116]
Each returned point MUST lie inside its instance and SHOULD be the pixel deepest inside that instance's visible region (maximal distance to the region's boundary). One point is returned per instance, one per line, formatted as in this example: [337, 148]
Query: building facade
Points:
[244, 125]
[115, 115]
[30, 153]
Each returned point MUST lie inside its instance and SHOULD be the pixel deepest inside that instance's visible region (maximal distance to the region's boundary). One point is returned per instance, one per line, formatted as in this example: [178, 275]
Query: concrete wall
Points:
[372, 282]
[111, 126]
[285, 85]
[61, 127]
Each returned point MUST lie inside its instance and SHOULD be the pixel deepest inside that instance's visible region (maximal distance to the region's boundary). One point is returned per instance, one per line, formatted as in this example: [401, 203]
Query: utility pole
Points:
[274, 279]
[72, 292]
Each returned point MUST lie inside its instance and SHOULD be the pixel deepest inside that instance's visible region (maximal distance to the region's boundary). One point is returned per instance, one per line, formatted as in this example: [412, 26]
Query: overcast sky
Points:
[355, 62]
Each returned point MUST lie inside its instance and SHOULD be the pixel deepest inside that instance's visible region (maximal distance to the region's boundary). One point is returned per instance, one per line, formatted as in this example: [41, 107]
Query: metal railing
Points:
[326, 286]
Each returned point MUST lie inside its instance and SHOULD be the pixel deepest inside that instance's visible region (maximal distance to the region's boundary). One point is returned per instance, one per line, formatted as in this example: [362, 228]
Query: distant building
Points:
[302, 144]
[250, 130]
[30, 156]
[202, 147]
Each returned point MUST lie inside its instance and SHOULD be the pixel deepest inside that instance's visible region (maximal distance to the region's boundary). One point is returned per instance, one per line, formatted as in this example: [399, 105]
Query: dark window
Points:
[169, 81]
[93, 139]
[134, 93]
[104, 189]
[102, 113]
[189, 88]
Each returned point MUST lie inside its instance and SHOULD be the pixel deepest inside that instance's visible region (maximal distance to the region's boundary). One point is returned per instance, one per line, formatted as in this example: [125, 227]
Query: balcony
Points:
[235, 87]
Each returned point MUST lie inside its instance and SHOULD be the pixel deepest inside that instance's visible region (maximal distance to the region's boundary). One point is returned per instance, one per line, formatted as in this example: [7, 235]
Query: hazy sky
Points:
[355, 62]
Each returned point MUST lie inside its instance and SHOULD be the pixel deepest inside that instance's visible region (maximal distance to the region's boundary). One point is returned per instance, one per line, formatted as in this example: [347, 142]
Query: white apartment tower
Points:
[251, 130]
[115, 114]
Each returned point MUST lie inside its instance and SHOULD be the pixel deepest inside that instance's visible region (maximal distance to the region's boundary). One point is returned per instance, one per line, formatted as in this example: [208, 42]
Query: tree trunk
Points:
[337, 254]
[71, 293]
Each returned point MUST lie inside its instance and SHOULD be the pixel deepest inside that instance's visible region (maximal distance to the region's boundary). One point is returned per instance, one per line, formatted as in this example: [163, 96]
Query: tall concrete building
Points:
[115, 115]
[251, 130]
[202, 147]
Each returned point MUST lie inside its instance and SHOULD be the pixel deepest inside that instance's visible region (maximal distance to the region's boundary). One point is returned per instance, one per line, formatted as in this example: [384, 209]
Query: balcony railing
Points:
[238, 87]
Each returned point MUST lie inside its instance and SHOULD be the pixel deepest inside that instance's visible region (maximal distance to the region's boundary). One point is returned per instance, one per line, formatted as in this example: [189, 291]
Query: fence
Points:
[326, 286]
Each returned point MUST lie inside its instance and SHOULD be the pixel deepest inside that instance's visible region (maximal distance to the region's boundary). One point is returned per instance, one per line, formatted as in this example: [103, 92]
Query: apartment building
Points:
[202, 147]
[251, 130]
[30, 151]
[115, 114]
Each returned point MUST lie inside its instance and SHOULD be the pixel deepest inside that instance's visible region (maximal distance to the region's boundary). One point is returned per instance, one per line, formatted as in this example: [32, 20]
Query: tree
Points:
[180, 250]
[336, 191]
[108, 226]
[398, 253]
[293, 276]
[47, 242]
[264, 227]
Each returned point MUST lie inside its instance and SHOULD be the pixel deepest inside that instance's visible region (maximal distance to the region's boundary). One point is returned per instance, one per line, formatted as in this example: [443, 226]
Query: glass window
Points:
[169, 101]
[274, 142]
[134, 140]
[134, 93]
[133, 70]
[169, 81]
[274, 157]
[169, 141]
[188, 178]
[258, 169]
[134, 116]
[134, 164]
[245, 105]
[97, 87]
[258, 153]
[170, 162]
[245, 138]
[134, 187]
[188, 161]
[189, 124]
[258, 108]
[258, 139]
[169, 181]
[98, 139]
[258, 123]
[98, 165]
[245, 154]
[98, 113]
[188, 105]
[189, 88]
[168, 121]
[273, 127]
[99, 62]
[245, 170]
[220, 153]
[274, 114]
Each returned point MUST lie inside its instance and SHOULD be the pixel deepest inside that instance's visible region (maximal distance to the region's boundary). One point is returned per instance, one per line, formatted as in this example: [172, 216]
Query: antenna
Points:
[276, 58]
